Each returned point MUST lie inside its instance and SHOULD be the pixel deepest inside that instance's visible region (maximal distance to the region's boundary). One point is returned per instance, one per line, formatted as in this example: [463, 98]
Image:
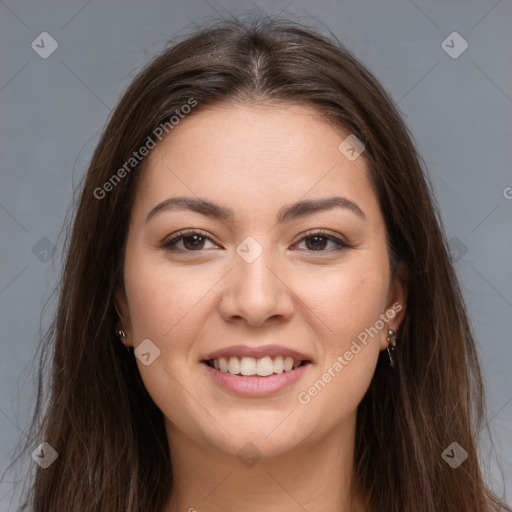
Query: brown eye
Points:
[191, 241]
[317, 242]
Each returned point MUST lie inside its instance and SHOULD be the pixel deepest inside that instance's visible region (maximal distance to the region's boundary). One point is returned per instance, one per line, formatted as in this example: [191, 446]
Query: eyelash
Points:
[168, 245]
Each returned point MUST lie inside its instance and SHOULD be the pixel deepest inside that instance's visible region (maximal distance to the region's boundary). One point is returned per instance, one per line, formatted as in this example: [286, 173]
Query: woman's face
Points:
[246, 282]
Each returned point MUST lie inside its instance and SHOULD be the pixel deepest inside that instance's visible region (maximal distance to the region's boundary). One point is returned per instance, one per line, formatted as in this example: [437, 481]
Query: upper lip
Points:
[257, 352]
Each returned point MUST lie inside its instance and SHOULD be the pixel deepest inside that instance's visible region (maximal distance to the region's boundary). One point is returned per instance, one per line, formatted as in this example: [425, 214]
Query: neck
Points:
[314, 476]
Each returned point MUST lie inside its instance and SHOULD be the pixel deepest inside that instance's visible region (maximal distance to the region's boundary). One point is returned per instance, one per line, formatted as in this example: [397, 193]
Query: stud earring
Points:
[391, 339]
[122, 335]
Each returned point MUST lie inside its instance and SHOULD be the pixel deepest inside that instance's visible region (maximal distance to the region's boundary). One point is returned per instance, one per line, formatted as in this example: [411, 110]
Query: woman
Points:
[258, 308]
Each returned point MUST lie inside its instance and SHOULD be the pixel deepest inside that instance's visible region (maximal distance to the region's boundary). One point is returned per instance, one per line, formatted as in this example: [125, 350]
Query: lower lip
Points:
[254, 385]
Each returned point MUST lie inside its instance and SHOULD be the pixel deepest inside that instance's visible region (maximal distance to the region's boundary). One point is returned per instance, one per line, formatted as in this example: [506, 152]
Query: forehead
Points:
[255, 157]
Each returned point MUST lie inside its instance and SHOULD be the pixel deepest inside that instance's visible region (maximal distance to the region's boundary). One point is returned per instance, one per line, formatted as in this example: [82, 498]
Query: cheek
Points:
[165, 306]
[333, 393]
[163, 299]
[346, 301]
[347, 306]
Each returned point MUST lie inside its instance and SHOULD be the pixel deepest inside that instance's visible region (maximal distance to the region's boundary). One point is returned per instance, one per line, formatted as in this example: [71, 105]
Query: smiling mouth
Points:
[258, 367]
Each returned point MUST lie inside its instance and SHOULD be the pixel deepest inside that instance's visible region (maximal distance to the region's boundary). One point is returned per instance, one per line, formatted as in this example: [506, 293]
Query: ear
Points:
[397, 301]
[122, 309]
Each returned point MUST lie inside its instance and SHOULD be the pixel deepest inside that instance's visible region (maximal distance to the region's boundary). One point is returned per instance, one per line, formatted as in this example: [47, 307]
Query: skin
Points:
[255, 160]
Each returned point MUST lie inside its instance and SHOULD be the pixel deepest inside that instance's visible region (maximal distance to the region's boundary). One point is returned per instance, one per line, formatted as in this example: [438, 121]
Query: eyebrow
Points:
[286, 213]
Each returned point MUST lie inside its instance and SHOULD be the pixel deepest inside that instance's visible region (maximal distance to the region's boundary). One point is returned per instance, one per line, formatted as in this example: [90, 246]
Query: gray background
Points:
[52, 111]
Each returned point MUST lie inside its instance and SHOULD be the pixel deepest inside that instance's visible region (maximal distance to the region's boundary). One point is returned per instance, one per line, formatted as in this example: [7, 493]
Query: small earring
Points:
[391, 339]
[122, 335]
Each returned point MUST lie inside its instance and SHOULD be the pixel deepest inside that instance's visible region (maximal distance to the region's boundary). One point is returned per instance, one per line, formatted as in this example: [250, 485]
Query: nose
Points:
[256, 292]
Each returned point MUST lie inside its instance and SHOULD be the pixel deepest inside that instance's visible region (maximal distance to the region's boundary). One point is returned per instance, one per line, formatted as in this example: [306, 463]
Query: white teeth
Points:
[234, 365]
[223, 364]
[278, 364]
[247, 366]
[262, 367]
[288, 363]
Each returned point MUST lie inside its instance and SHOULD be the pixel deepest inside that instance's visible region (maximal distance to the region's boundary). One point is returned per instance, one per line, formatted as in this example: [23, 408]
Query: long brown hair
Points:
[109, 434]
